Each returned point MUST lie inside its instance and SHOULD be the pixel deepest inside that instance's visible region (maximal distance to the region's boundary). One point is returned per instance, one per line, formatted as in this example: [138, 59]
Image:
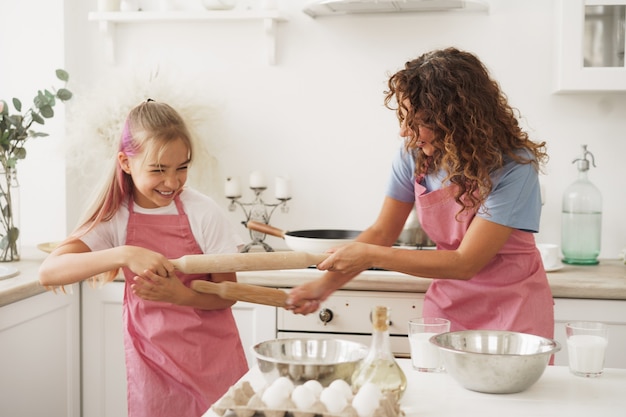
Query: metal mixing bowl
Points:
[496, 362]
[303, 359]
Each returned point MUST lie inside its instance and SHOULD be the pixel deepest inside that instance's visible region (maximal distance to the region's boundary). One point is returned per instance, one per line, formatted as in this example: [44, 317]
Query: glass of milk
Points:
[586, 346]
[425, 356]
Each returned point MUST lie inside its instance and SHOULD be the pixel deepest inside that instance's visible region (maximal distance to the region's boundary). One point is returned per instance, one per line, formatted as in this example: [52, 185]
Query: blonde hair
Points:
[149, 128]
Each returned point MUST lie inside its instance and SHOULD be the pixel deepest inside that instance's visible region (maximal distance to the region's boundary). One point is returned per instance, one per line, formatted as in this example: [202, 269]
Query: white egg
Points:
[366, 400]
[343, 387]
[370, 389]
[315, 387]
[333, 399]
[303, 397]
[284, 383]
[274, 396]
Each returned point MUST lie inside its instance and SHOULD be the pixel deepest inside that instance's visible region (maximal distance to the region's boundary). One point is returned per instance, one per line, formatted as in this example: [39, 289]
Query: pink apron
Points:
[179, 360]
[510, 293]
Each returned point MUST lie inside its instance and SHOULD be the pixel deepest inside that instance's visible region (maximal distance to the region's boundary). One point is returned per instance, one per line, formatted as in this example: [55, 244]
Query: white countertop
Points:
[26, 283]
[557, 393]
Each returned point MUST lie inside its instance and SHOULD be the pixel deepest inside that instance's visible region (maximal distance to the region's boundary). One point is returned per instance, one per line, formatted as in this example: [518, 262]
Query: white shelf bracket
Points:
[107, 28]
[270, 40]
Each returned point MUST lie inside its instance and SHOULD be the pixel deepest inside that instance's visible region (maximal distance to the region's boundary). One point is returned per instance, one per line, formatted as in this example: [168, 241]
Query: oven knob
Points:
[326, 315]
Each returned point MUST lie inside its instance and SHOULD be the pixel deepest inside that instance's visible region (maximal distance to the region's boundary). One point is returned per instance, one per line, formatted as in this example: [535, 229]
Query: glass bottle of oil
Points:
[379, 366]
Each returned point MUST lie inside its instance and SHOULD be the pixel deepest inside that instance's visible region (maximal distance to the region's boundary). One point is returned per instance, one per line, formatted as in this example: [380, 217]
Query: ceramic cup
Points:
[549, 255]
[586, 347]
[425, 356]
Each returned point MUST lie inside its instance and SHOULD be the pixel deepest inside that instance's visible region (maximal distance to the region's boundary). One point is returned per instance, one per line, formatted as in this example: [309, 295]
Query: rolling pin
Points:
[236, 262]
[235, 291]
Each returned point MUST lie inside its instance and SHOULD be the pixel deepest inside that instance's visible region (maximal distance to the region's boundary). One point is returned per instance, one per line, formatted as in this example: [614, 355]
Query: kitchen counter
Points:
[557, 393]
[26, 283]
[604, 281]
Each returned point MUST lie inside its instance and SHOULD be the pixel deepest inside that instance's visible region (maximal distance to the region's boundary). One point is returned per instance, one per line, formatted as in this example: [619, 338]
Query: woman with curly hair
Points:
[472, 175]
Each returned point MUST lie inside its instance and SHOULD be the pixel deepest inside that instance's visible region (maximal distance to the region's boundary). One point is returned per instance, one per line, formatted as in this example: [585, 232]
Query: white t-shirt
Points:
[209, 225]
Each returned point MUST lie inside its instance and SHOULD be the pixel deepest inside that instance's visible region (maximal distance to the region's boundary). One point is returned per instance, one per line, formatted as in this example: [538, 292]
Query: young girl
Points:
[472, 174]
[182, 348]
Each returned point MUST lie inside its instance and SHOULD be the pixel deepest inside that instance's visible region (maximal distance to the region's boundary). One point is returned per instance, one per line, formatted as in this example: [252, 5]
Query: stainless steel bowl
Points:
[303, 359]
[496, 362]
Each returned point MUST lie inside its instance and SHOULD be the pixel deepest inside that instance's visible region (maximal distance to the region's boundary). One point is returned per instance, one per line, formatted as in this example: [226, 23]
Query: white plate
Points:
[8, 271]
[555, 268]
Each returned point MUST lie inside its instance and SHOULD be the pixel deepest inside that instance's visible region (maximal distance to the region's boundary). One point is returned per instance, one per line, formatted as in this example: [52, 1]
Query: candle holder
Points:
[260, 211]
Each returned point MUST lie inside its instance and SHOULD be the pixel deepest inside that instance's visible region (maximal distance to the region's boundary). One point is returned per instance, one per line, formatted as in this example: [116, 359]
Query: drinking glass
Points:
[586, 346]
[425, 356]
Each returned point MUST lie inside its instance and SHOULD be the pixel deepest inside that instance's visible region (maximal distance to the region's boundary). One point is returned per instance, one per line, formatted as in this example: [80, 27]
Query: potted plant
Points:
[15, 130]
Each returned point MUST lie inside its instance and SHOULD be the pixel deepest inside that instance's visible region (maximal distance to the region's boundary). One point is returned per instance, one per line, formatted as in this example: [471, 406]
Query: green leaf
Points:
[34, 134]
[38, 119]
[14, 234]
[62, 75]
[64, 94]
[20, 153]
[15, 120]
[44, 98]
[46, 111]
[17, 104]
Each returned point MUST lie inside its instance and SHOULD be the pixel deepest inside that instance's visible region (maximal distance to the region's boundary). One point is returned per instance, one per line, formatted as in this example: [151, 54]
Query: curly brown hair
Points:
[475, 129]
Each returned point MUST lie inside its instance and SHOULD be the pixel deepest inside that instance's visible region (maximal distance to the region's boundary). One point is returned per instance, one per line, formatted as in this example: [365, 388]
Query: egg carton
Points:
[245, 402]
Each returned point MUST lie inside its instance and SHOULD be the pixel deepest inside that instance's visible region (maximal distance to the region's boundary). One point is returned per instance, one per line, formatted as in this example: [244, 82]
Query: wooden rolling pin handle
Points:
[239, 262]
[235, 291]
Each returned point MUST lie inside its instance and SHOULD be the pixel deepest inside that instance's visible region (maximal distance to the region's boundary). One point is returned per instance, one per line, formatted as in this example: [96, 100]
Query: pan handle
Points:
[235, 291]
[265, 228]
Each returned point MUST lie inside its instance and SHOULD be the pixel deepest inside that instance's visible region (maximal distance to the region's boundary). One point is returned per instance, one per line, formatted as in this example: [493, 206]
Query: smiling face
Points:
[158, 173]
[422, 138]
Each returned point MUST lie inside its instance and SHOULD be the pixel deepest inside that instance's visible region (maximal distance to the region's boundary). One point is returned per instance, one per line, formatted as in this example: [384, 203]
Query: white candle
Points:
[109, 5]
[232, 189]
[268, 4]
[283, 188]
[257, 180]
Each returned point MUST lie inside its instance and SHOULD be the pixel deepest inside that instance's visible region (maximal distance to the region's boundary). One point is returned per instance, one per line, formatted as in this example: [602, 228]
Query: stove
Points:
[346, 315]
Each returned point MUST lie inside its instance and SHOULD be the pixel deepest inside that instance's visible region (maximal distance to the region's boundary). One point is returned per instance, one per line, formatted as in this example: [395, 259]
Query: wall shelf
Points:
[109, 20]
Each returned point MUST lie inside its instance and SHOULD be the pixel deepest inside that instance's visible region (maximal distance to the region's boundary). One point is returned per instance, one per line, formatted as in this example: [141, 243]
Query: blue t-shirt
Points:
[515, 200]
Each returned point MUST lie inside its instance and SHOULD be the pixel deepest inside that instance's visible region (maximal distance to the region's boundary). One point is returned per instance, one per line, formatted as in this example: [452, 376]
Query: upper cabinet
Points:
[590, 46]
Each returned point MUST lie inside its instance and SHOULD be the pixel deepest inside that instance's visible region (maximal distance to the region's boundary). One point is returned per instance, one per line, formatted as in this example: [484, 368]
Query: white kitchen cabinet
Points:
[590, 46]
[104, 372]
[256, 323]
[612, 312]
[109, 20]
[40, 356]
